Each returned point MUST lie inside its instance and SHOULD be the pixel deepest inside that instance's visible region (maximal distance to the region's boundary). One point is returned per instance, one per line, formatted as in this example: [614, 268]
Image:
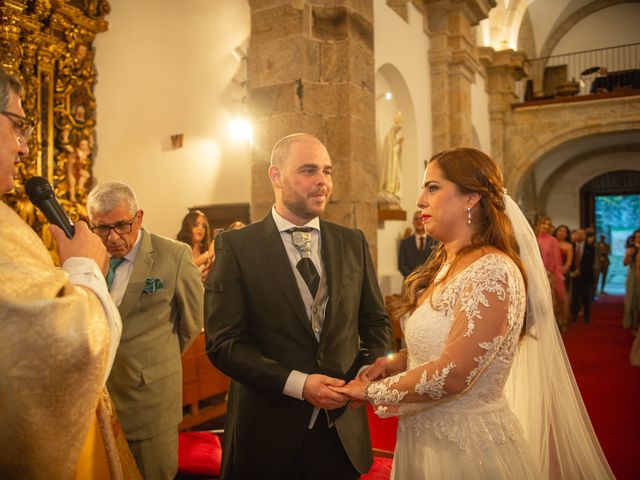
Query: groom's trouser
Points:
[321, 456]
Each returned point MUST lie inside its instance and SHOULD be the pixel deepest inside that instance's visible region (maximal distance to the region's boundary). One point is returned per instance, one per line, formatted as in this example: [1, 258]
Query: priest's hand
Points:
[83, 244]
[318, 391]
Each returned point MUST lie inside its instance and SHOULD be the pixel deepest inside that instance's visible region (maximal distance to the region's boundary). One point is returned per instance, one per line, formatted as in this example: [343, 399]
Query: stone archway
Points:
[534, 131]
[568, 23]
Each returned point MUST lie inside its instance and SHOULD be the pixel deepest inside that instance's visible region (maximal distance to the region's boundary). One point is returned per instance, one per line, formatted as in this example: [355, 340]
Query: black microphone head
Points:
[38, 190]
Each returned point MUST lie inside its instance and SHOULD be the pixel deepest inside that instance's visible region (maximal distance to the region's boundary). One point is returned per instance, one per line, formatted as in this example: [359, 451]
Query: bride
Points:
[484, 388]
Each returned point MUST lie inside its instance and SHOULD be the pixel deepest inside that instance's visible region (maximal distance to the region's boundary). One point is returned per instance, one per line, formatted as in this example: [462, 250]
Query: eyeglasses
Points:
[120, 228]
[23, 125]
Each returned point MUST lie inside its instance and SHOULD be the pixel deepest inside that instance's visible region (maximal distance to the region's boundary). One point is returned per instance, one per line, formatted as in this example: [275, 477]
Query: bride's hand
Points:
[355, 389]
[384, 367]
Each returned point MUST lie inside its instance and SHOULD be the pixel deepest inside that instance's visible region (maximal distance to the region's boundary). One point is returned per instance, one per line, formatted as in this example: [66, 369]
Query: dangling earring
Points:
[468, 216]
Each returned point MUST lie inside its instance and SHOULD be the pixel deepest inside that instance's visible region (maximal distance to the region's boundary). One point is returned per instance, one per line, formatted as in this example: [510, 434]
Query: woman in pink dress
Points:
[552, 260]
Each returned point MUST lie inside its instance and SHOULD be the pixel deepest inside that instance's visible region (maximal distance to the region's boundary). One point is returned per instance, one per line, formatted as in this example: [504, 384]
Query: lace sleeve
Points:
[481, 322]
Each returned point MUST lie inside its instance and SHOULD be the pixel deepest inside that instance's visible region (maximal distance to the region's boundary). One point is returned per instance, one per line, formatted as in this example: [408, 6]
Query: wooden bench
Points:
[204, 387]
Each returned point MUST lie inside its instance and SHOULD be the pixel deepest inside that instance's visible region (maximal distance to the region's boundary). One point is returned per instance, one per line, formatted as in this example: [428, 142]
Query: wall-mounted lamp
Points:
[240, 129]
[176, 140]
[386, 95]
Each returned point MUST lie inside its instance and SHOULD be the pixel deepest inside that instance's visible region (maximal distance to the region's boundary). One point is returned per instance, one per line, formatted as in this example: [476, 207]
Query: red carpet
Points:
[610, 386]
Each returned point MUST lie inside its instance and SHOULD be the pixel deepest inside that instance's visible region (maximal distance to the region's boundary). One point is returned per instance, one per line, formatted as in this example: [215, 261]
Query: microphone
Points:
[41, 194]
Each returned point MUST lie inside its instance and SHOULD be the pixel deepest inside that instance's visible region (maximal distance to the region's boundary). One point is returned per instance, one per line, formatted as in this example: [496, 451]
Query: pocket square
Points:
[152, 285]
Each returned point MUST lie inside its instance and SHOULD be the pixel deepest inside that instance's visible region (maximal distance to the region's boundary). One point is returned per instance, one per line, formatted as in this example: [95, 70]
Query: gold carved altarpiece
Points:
[48, 44]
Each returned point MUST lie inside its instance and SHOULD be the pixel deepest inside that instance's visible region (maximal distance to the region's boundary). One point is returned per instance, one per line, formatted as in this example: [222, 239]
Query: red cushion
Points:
[199, 454]
[380, 470]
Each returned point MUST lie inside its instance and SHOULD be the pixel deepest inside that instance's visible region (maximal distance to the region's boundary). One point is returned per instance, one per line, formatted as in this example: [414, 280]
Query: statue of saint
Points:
[390, 166]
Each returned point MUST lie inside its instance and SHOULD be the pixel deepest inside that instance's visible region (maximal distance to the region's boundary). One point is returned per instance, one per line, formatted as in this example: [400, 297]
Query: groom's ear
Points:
[275, 174]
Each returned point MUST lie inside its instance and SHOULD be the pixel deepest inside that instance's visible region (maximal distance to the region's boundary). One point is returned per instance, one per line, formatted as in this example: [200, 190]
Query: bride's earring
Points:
[468, 216]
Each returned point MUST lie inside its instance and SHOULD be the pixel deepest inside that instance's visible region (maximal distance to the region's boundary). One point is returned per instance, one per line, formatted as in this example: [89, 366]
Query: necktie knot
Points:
[301, 237]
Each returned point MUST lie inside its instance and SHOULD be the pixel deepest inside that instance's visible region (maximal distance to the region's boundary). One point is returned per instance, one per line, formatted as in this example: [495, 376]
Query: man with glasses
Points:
[157, 288]
[59, 330]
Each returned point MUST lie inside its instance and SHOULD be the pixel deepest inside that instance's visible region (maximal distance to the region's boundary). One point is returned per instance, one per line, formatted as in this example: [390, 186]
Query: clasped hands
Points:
[329, 393]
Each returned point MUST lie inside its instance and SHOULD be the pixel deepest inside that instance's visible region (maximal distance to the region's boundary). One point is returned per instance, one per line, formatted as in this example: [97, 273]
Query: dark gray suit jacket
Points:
[258, 331]
[409, 257]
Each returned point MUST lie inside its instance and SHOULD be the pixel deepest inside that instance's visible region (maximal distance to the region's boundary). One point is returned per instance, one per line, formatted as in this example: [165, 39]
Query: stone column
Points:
[453, 66]
[311, 69]
[503, 69]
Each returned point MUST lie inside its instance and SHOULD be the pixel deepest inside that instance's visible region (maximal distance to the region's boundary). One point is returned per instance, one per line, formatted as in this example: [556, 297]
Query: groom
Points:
[290, 312]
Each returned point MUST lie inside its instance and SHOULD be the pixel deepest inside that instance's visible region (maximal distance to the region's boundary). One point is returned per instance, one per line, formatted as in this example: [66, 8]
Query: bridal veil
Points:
[541, 388]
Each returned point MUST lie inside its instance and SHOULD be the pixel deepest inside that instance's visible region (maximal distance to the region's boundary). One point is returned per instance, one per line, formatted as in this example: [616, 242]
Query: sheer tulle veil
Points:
[541, 388]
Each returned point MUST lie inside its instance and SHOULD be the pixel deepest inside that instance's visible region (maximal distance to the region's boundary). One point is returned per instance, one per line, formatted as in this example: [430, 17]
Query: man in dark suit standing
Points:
[582, 274]
[415, 249]
[293, 307]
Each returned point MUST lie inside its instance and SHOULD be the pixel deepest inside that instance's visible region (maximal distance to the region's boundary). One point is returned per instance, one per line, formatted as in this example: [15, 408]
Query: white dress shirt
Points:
[123, 273]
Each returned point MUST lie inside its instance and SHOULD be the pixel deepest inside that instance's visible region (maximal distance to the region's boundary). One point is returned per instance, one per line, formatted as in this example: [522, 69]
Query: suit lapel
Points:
[332, 261]
[139, 274]
[276, 256]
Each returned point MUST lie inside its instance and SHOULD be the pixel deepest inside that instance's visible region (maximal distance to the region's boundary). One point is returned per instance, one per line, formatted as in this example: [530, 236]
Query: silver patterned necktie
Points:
[301, 237]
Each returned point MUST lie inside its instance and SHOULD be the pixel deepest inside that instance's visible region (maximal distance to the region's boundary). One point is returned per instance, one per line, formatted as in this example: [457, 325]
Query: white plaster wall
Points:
[480, 113]
[544, 16]
[403, 46]
[563, 202]
[610, 27]
[165, 67]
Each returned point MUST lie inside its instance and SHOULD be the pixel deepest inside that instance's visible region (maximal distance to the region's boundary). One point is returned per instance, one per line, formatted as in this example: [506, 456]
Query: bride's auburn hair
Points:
[472, 171]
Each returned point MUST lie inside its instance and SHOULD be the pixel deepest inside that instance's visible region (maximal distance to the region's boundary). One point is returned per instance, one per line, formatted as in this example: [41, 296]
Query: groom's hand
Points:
[316, 391]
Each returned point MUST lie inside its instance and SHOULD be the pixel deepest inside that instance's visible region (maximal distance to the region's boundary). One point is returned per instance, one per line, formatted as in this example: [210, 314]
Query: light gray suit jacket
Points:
[146, 380]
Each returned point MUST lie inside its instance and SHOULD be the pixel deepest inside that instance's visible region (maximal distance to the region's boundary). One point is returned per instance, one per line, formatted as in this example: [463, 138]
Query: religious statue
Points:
[78, 165]
[390, 165]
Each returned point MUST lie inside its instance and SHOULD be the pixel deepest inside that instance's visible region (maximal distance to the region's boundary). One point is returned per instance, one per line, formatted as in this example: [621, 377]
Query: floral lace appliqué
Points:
[490, 347]
[434, 387]
[381, 392]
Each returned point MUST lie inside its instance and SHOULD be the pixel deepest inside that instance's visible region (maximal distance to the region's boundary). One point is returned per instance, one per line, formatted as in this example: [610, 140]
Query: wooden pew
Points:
[204, 387]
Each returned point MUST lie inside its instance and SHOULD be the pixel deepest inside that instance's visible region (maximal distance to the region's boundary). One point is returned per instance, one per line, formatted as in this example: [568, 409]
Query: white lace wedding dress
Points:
[455, 421]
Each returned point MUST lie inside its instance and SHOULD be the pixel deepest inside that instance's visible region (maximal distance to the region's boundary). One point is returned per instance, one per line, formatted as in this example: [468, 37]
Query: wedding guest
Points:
[415, 248]
[455, 385]
[582, 274]
[603, 250]
[196, 233]
[157, 288]
[632, 291]
[562, 233]
[552, 261]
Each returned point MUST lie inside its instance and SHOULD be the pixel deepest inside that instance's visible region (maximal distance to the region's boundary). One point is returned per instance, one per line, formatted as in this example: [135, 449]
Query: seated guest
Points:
[196, 233]
[59, 331]
[157, 288]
